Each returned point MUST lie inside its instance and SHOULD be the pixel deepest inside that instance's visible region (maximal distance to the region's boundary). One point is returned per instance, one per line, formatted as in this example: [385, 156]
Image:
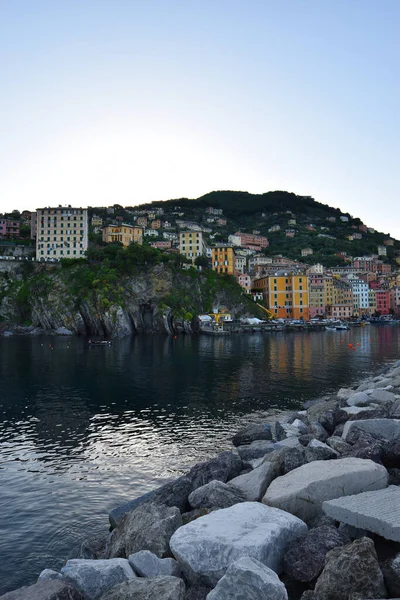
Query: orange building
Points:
[223, 259]
[286, 296]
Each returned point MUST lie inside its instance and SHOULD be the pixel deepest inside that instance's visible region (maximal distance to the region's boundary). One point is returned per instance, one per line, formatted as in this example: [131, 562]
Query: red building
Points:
[9, 228]
[383, 302]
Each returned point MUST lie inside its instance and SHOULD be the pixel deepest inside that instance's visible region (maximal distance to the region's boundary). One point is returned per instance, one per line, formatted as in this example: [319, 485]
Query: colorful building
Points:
[191, 244]
[286, 296]
[383, 302]
[124, 233]
[248, 239]
[223, 259]
[395, 300]
[156, 224]
[61, 232]
[9, 228]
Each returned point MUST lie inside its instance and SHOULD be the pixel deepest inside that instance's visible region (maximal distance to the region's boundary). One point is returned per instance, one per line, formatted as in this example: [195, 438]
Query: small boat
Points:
[99, 342]
[337, 327]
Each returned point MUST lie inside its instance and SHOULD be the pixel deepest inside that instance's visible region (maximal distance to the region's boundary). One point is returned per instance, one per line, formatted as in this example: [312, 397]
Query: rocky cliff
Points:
[160, 299]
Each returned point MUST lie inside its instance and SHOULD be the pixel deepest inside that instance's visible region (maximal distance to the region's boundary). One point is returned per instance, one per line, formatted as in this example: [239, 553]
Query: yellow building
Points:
[286, 296]
[61, 232]
[223, 259]
[126, 234]
[156, 224]
[191, 244]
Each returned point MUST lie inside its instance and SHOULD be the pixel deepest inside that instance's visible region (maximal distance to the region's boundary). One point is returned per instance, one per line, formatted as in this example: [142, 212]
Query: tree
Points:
[202, 261]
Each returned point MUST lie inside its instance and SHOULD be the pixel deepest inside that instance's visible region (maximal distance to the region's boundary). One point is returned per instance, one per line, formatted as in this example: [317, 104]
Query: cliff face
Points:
[160, 300]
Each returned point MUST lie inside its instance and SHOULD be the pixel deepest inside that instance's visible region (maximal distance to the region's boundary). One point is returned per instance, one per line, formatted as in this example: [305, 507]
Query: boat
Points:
[337, 327]
[99, 342]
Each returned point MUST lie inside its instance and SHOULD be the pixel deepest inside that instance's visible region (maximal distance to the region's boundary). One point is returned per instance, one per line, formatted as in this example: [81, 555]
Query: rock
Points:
[216, 494]
[394, 476]
[389, 429]
[353, 533]
[279, 432]
[377, 511]
[323, 413]
[253, 485]
[257, 449]
[306, 439]
[394, 411]
[318, 431]
[63, 331]
[370, 451]
[173, 493]
[302, 491]
[359, 399]
[290, 442]
[345, 393]
[252, 433]
[305, 558]
[197, 592]
[147, 564]
[379, 395]
[338, 444]
[206, 547]
[294, 459]
[148, 527]
[317, 450]
[224, 467]
[93, 548]
[391, 574]
[48, 574]
[94, 577]
[356, 410]
[308, 595]
[390, 454]
[247, 578]
[149, 588]
[321, 521]
[300, 426]
[195, 514]
[352, 569]
[45, 590]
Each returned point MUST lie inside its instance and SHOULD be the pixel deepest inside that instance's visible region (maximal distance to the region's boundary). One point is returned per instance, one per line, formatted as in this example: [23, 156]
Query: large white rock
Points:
[358, 399]
[206, 547]
[94, 577]
[387, 428]
[378, 511]
[354, 410]
[248, 578]
[302, 491]
[147, 564]
[345, 393]
[380, 395]
[254, 484]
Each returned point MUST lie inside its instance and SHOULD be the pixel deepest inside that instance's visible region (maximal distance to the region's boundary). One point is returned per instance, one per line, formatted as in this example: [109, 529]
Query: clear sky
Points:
[126, 101]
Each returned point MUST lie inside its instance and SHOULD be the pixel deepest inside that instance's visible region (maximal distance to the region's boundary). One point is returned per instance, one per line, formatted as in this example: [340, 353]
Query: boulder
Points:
[253, 485]
[345, 393]
[195, 514]
[389, 429]
[351, 569]
[306, 439]
[338, 444]
[391, 574]
[173, 493]
[148, 527]
[252, 433]
[305, 557]
[216, 494]
[224, 467]
[361, 449]
[302, 491]
[321, 521]
[63, 331]
[149, 588]
[45, 590]
[205, 548]
[318, 431]
[147, 564]
[198, 592]
[359, 399]
[394, 476]
[257, 449]
[293, 459]
[357, 410]
[317, 450]
[49, 574]
[376, 511]
[94, 577]
[248, 578]
[379, 395]
[93, 548]
[390, 454]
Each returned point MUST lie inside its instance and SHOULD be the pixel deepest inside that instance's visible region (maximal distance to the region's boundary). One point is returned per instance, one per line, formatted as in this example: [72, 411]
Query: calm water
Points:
[84, 429]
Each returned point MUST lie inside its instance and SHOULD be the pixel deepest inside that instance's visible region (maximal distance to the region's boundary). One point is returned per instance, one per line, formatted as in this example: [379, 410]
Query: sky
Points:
[127, 101]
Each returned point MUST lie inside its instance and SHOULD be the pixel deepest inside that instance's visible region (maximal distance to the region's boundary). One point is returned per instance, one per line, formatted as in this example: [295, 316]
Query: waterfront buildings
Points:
[223, 259]
[61, 232]
[191, 244]
[248, 239]
[124, 233]
[285, 295]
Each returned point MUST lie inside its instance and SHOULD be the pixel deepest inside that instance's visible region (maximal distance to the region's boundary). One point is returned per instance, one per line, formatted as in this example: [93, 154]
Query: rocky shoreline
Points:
[308, 507]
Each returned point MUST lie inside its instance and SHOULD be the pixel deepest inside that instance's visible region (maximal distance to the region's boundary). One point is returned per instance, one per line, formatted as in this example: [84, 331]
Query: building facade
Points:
[191, 244]
[9, 228]
[124, 233]
[223, 259]
[61, 232]
[286, 296]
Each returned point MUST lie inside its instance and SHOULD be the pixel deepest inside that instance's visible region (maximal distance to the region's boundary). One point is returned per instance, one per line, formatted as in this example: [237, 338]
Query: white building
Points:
[240, 263]
[62, 232]
[360, 295]
[151, 232]
[191, 244]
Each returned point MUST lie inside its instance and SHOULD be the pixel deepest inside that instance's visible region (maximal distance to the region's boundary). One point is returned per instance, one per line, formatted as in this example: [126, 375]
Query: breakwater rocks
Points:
[308, 508]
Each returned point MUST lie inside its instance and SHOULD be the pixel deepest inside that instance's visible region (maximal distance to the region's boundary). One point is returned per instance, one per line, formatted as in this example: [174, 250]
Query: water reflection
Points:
[83, 428]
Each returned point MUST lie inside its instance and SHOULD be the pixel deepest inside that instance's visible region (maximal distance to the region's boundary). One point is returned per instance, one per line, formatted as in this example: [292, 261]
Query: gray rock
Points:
[389, 429]
[147, 564]
[216, 494]
[290, 442]
[49, 574]
[194, 514]
[94, 577]
[321, 521]
[93, 548]
[293, 459]
[300, 426]
[377, 511]
[379, 395]
[317, 450]
[353, 533]
[318, 431]
[8, 334]
[63, 331]
[338, 444]
[45, 590]
[305, 558]
[359, 399]
[306, 439]
[173, 493]
[356, 410]
[390, 454]
[345, 393]
[252, 433]
[206, 547]
[257, 449]
[149, 588]
[277, 459]
[279, 433]
[394, 411]
[197, 592]
[253, 485]
[394, 476]
[361, 449]
[302, 491]
[248, 578]
[224, 467]
[391, 574]
[351, 569]
[148, 527]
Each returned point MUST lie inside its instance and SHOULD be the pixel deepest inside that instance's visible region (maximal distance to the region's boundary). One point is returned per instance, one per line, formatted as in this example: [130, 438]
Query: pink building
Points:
[395, 300]
[383, 301]
[9, 228]
[248, 239]
[161, 245]
[244, 281]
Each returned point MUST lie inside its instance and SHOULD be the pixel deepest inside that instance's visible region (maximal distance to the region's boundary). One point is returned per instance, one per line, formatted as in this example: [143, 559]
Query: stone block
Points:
[389, 429]
[94, 577]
